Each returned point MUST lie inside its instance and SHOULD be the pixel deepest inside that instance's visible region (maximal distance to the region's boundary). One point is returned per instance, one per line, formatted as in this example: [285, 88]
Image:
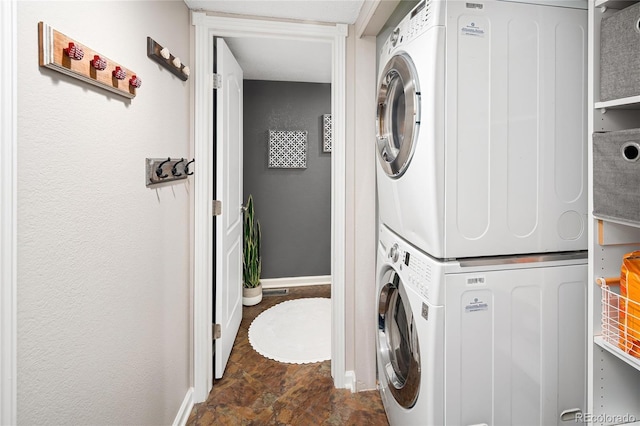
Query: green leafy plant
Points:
[251, 261]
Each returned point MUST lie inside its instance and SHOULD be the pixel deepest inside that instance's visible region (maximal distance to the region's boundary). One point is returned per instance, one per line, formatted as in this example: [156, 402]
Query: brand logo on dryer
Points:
[472, 29]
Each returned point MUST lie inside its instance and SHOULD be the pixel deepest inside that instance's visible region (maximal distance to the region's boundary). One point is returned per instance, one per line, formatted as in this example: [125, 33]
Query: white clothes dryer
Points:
[481, 128]
[493, 341]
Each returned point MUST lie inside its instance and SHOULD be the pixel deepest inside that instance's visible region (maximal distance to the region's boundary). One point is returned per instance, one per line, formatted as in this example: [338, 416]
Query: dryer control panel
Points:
[427, 14]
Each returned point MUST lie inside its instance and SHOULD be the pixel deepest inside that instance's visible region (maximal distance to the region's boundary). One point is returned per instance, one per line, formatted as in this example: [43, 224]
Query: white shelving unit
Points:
[613, 376]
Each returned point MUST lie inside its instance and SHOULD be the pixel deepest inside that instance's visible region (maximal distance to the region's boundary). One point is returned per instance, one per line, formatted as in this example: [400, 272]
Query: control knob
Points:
[395, 35]
[394, 253]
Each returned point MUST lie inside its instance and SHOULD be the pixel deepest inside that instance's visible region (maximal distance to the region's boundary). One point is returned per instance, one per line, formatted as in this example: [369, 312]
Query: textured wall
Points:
[103, 261]
[293, 205]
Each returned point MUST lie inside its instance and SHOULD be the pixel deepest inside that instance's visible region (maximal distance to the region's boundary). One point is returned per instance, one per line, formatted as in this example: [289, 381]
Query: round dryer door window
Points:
[398, 342]
[398, 115]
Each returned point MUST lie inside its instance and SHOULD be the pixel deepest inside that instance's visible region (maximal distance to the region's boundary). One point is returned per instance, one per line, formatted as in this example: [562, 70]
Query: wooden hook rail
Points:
[64, 54]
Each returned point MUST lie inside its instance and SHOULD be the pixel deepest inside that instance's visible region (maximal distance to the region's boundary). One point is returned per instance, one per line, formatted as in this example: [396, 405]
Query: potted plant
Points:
[251, 258]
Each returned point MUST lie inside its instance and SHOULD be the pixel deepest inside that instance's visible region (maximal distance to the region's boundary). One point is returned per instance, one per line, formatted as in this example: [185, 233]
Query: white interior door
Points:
[228, 189]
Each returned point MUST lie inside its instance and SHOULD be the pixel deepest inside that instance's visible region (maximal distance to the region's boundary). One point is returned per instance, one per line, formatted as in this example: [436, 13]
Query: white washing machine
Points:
[481, 128]
[493, 341]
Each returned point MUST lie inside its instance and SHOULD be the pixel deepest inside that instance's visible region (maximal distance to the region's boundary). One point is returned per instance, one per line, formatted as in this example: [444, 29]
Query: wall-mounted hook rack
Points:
[64, 54]
[162, 56]
[160, 170]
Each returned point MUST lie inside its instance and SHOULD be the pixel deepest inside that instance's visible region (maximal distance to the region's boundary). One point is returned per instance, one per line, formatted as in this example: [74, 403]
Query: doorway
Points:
[288, 174]
[206, 27]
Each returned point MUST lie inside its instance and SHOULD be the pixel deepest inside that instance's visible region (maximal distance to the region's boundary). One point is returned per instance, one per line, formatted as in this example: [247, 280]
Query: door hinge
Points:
[216, 81]
[217, 207]
[216, 331]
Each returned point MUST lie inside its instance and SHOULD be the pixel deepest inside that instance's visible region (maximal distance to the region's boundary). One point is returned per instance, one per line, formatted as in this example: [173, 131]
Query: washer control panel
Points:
[415, 271]
[415, 268]
[419, 274]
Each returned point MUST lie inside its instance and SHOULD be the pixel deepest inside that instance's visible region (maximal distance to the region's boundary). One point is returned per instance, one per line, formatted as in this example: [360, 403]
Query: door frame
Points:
[8, 214]
[206, 27]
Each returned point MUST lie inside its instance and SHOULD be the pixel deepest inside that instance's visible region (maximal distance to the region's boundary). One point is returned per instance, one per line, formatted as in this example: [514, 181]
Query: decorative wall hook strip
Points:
[161, 170]
[63, 54]
[162, 56]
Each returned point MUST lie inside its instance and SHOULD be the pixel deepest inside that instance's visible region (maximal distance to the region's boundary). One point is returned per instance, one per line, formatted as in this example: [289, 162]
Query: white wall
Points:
[103, 261]
[8, 306]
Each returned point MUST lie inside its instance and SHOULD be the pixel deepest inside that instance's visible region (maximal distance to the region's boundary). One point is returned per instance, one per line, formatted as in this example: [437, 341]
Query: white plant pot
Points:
[252, 296]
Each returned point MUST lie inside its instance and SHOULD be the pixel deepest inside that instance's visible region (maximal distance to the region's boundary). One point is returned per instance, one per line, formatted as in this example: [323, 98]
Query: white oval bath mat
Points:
[296, 331]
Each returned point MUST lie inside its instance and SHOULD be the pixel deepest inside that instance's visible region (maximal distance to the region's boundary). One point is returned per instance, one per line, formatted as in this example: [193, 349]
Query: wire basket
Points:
[620, 321]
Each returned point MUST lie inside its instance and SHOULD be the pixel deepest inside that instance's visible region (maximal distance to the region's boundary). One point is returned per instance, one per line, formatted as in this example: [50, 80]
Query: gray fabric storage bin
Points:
[616, 175]
[620, 54]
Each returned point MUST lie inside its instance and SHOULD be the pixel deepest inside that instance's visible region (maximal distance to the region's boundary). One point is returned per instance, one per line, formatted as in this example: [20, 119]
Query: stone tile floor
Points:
[258, 391]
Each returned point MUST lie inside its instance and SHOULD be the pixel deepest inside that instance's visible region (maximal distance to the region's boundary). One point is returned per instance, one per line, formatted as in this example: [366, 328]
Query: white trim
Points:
[206, 27]
[295, 281]
[350, 380]
[338, 208]
[8, 202]
[185, 409]
[203, 217]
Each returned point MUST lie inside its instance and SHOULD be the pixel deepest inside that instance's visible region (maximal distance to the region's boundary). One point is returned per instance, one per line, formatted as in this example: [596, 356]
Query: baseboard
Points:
[295, 281]
[350, 380]
[185, 409]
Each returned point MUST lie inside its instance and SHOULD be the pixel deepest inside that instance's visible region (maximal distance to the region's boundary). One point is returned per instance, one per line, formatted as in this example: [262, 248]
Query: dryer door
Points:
[398, 342]
[398, 114]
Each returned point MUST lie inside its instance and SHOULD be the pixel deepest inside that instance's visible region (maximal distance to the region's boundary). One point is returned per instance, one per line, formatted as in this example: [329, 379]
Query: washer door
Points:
[398, 341]
[398, 114]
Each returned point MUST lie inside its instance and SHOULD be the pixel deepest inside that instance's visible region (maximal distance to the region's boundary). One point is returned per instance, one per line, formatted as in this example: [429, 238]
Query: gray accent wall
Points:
[292, 205]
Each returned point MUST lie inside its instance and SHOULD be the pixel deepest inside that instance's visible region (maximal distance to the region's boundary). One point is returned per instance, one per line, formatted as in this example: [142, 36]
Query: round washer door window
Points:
[398, 115]
[398, 342]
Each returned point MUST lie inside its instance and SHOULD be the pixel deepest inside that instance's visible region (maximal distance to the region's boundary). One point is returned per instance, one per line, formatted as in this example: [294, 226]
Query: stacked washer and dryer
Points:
[482, 208]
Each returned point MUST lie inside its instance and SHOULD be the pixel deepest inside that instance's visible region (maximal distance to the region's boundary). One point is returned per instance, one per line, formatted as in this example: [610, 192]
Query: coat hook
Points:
[159, 169]
[186, 167]
[73, 51]
[135, 81]
[174, 169]
[119, 73]
[98, 63]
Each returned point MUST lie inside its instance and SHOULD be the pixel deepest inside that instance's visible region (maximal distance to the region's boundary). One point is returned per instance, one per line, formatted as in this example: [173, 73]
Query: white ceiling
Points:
[282, 60]
[279, 59]
[343, 11]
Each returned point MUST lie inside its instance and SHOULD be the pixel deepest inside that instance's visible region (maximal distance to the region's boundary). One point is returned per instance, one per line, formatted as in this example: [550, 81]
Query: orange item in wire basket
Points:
[629, 316]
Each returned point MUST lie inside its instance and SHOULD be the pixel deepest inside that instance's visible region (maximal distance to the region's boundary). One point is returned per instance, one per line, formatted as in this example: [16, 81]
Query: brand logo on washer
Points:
[475, 6]
[476, 305]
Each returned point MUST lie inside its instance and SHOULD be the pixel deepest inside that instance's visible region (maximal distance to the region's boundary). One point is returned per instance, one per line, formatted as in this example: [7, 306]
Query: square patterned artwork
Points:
[288, 149]
[327, 134]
